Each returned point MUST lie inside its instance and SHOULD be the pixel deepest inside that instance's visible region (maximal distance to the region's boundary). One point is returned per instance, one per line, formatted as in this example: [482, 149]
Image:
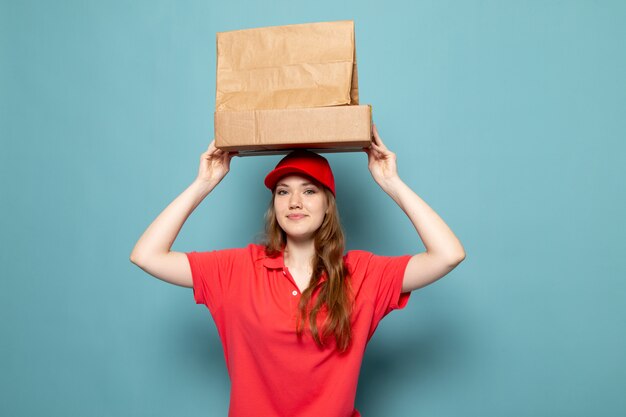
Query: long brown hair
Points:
[334, 296]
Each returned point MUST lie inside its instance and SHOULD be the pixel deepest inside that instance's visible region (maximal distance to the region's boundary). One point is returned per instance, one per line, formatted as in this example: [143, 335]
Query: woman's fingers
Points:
[212, 152]
[211, 147]
[379, 150]
[375, 135]
[378, 141]
[219, 153]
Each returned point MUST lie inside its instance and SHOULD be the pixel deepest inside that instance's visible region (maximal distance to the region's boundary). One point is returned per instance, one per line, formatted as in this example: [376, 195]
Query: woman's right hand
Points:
[214, 165]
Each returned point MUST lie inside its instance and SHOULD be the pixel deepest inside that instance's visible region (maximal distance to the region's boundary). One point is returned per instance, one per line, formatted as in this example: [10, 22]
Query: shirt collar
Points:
[274, 263]
[279, 263]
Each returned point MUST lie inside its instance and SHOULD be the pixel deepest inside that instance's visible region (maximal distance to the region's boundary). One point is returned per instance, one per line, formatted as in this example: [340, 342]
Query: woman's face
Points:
[300, 205]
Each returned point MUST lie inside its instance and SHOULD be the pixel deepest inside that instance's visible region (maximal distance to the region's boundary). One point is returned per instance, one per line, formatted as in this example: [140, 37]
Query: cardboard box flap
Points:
[282, 67]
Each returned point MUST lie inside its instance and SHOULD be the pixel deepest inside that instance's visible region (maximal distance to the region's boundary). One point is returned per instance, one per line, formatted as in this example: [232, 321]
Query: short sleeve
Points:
[379, 280]
[212, 274]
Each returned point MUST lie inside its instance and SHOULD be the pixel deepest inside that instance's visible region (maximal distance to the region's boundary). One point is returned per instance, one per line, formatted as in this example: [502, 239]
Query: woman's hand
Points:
[214, 165]
[381, 161]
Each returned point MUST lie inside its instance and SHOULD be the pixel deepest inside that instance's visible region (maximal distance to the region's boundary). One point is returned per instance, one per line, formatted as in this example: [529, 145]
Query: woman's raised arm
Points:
[152, 251]
[443, 249]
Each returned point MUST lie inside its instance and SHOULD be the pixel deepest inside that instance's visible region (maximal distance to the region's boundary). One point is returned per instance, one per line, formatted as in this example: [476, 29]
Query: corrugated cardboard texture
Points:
[321, 127]
[286, 67]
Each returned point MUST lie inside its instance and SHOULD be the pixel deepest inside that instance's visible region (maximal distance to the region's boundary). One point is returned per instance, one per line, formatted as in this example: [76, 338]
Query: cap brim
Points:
[273, 177]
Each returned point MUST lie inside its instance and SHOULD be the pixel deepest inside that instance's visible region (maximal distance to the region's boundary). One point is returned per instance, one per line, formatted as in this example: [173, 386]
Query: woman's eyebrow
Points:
[304, 184]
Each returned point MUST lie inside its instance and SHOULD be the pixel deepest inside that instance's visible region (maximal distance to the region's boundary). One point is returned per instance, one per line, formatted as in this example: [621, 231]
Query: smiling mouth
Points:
[295, 216]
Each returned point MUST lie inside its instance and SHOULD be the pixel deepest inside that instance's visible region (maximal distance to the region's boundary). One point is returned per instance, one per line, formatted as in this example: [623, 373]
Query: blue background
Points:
[508, 118]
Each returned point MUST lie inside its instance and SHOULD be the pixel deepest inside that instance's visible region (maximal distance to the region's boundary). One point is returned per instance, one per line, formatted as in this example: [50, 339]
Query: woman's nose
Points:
[294, 201]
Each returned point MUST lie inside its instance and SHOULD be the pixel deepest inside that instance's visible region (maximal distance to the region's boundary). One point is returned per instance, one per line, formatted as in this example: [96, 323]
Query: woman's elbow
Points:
[456, 259]
[135, 258]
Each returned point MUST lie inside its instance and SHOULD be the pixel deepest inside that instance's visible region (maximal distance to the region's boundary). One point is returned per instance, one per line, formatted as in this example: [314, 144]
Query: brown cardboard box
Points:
[288, 87]
[322, 128]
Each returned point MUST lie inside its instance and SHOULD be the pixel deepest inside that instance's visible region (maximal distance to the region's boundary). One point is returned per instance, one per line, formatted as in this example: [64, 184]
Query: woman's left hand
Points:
[381, 161]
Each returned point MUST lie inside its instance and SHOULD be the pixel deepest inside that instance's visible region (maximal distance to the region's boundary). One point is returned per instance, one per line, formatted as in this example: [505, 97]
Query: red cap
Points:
[306, 163]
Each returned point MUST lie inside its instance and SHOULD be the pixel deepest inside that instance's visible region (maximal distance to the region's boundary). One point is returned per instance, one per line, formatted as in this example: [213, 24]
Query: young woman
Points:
[295, 314]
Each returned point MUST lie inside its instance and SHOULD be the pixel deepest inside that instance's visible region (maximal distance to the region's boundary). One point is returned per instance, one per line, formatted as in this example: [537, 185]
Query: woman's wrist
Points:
[392, 185]
[202, 187]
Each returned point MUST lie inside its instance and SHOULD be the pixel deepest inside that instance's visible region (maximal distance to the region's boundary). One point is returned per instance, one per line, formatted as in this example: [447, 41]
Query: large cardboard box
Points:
[289, 87]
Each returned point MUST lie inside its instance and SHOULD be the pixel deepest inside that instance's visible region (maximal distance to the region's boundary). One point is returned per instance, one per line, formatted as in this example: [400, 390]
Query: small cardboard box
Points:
[289, 87]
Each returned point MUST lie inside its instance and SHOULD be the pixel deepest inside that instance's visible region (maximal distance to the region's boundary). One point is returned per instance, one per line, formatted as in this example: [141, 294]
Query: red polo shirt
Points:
[254, 302]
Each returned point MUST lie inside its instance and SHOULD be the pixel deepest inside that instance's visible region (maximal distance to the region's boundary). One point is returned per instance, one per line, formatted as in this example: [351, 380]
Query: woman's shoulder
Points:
[354, 257]
[252, 250]
[361, 261]
[357, 254]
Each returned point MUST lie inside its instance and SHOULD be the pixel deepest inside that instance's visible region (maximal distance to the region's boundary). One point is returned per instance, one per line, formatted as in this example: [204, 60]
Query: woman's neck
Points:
[299, 254]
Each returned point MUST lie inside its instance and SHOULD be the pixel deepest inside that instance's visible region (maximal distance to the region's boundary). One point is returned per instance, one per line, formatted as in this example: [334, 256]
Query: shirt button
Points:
[284, 272]
[295, 292]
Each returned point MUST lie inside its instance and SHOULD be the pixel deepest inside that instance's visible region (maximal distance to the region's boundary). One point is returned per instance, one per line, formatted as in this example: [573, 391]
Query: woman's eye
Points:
[281, 192]
[309, 191]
